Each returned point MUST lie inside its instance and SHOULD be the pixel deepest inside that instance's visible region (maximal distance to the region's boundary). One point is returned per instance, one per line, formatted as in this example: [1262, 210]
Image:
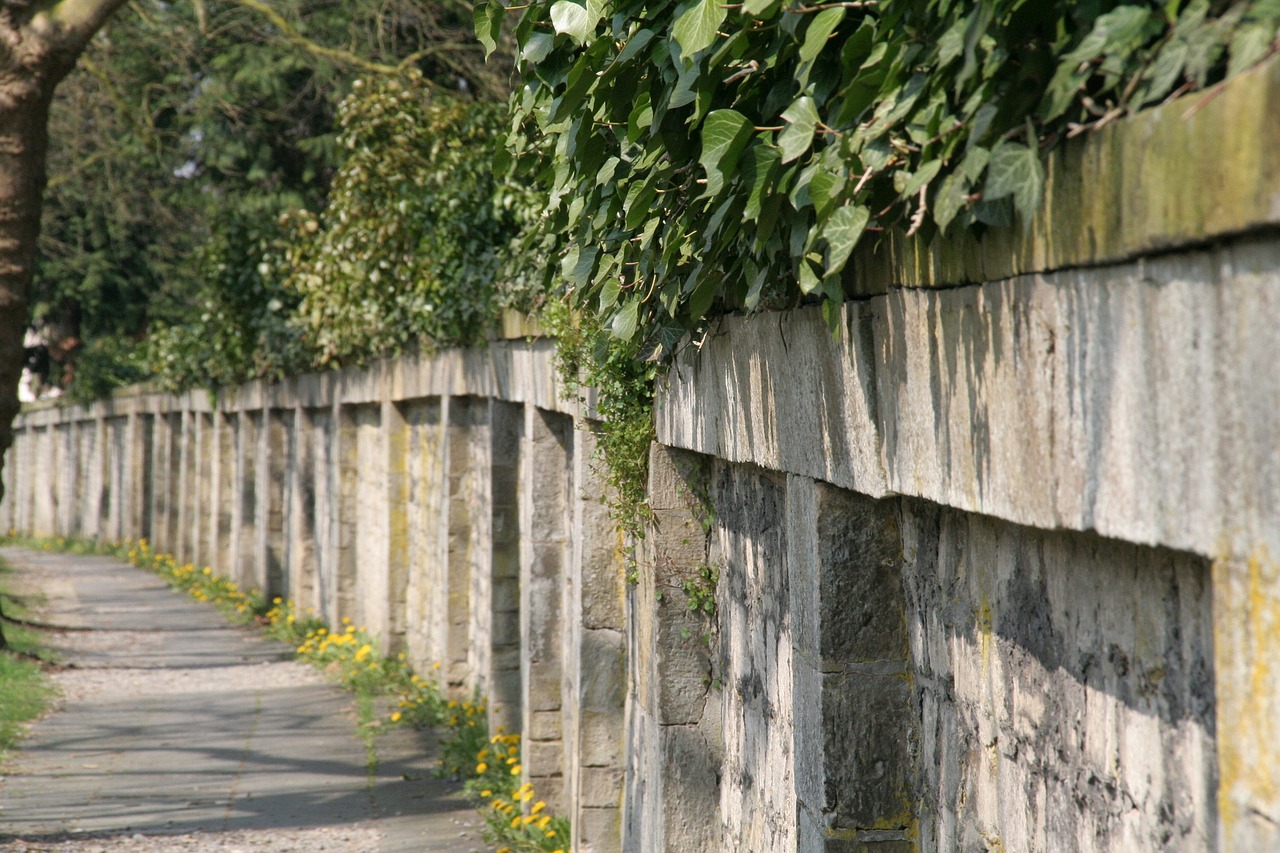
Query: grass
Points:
[25, 690]
[488, 765]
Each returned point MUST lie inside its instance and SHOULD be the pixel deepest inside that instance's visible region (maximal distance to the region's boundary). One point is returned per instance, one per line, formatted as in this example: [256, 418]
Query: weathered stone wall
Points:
[996, 562]
[446, 504]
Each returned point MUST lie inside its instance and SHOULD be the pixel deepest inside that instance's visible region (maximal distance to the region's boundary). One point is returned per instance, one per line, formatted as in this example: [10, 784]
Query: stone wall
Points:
[995, 562]
[448, 505]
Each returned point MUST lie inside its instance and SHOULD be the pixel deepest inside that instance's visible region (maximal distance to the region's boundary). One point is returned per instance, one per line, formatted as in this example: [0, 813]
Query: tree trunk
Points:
[40, 41]
[23, 147]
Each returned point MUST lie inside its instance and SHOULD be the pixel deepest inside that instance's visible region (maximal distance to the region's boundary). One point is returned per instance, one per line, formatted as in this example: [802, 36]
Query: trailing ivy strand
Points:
[702, 156]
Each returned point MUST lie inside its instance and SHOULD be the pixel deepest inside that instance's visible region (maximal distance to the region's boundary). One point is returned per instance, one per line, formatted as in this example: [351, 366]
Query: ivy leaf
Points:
[760, 163]
[809, 281]
[704, 296]
[536, 48]
[1249, 44]
[724, 134]
[842, 231]
[625, 321]
[758, 8]
[820, 29]
[487, 18]
[1015, 170]
[801, 118]
[923, 175]
[695, 30]
[1115, 35]
[951, 199]
[573, 20]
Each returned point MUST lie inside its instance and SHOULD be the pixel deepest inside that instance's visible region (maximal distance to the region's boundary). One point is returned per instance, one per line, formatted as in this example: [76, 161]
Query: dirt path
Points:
[176, 731]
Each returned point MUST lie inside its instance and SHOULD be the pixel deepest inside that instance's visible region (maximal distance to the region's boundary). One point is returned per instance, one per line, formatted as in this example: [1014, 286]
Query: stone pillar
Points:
[137, 472]
[674, 751]
[246, 487]
[207, 511]
[68, 467]
[456, 611]
[856, 722]
[398, 443]
[426, 524]
[117, 459]
[1246, 646]
[347, 464]
[96, 482]
[480, 570]
[371, 555]
[754, 652]
[301, 567]
[165, 456]
[184, 498]
[27, 457]
[42, 481]
[597, 659]
[546, 479]
[506, 428]
[326, 474]
[274, 488]
[228, 493]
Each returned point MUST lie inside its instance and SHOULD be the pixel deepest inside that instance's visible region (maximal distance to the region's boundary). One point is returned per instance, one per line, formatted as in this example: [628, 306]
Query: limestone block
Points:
[600, 739]
[601, 787]
[543, 725]
[541, 759]
[598, 829]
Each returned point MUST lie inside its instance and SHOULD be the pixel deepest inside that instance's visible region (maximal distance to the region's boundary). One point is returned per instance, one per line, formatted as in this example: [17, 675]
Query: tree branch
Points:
[78, 20]
[290, 33]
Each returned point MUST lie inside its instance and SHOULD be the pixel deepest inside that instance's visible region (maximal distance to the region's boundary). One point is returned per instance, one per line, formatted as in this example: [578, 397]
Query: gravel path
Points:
[176, 731]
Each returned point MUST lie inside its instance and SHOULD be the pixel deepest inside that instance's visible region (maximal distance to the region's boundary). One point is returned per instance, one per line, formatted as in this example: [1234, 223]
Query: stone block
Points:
[871, 747]
[603, 669]
[542, 758]
[861, 588]
[600, 787]
[505, 594]
[600, 738]
[598, 830]
[543, 726]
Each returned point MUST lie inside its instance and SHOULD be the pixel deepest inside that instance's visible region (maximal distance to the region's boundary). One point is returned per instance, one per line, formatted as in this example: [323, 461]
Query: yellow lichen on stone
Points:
[1246, 640]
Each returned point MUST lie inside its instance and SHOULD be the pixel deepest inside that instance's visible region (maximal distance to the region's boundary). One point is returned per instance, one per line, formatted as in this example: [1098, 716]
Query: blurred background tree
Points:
[222, 117]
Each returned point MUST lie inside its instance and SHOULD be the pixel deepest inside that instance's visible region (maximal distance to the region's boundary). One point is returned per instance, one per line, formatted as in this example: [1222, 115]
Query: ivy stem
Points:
[849, 4]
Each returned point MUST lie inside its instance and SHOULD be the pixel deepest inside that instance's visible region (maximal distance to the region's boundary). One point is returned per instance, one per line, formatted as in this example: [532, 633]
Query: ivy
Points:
[414, 241]
[701, 157]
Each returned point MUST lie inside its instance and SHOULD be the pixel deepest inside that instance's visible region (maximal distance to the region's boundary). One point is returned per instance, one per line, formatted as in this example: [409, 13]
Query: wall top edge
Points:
[1192, 171]
[518, 371]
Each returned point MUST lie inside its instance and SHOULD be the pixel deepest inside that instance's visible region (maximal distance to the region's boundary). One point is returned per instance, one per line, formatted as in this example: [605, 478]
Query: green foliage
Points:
[703, 157]
[195, 122]
[106, 363]
[25, 692]
[411, 243]
[587, 357]
[700, 591]
[245, 323]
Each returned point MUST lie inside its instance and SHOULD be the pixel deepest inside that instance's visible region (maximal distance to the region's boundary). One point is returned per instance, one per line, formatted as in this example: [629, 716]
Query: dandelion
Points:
[486, 793]
[395, 718]
[482, 767]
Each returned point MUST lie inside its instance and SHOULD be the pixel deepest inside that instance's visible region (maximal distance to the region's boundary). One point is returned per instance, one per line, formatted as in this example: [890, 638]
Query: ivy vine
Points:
[701, 156]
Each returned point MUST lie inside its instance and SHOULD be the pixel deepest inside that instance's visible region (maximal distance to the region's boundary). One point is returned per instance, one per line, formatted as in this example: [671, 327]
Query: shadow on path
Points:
[175, 722]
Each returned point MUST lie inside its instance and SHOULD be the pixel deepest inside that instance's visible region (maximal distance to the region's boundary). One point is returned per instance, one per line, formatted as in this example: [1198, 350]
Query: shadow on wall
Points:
[1066, 687]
